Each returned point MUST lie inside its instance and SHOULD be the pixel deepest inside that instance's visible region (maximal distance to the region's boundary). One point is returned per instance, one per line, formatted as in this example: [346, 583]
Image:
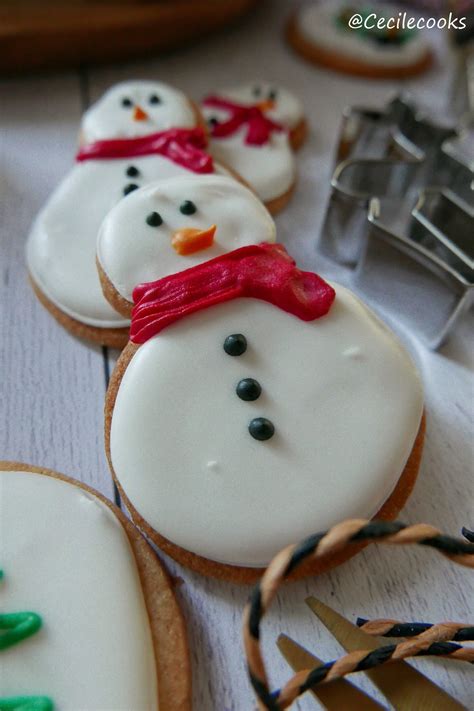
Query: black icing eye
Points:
[132, 172]
[272, 94]
[187, 207]
[126, 102]
[154, 99]
[212, 121]
[248, 389]
[154, 219]
[235, 344]
[130, 188]
[260, 428]
[256, 91]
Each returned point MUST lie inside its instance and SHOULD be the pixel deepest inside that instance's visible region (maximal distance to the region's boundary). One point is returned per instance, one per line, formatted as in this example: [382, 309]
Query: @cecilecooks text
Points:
[403, 21]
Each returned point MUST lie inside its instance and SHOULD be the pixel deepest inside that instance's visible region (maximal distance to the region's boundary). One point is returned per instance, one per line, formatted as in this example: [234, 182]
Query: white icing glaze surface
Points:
[61, 249]
[316, 22]
[343, 395]
[131, 252]
[107, 118]
[270, 168]
[66, 557]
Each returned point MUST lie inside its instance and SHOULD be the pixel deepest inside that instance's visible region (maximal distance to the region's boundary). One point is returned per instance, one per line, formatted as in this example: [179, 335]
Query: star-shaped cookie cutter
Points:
[401, 214]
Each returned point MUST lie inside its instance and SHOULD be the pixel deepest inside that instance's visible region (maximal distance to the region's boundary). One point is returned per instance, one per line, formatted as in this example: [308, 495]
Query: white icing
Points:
[316, 22]
[287, 110]
[107, 118]
[66, 557]
[61, 249]
[131, 252]
[270, 168]
[343, 395]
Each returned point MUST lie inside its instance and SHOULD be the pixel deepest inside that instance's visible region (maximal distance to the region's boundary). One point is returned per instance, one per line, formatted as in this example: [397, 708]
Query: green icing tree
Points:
[15, 627]
[26, 703]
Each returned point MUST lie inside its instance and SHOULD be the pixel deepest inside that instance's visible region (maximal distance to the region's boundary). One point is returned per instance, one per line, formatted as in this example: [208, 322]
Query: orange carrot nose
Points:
[190, 240]
[139, 114]
[265, 105]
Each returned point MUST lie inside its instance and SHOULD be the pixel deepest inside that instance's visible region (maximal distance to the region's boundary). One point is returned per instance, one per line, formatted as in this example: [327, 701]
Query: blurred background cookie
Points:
[346, 37]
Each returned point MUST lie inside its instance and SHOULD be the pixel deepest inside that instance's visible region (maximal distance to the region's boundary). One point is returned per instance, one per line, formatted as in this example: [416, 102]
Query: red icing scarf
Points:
[259, 126]
[184, 146]
[265, 271]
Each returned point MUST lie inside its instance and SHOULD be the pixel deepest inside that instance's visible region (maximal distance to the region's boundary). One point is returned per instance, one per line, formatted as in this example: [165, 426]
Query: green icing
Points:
[26, 703]
[16, 626]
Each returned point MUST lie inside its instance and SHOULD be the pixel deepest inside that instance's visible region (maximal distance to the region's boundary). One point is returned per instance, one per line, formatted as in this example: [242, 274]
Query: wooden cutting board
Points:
[39, 35]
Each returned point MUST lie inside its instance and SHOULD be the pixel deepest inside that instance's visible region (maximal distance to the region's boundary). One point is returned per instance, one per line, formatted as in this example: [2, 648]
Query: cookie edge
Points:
[111, 337]
[167, 625]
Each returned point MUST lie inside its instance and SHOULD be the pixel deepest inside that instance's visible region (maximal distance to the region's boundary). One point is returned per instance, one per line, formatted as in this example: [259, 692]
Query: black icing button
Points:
[130, 188]
[212, 121]
[187, 207]
[235, 344]
[248, 389]
[154, 219]
[260, 428]
[132, 172]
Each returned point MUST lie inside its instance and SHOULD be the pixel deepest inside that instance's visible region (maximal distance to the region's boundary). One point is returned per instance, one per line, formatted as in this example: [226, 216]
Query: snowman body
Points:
[342, 395]
[65, 556]
[61, 249]
[270, 166]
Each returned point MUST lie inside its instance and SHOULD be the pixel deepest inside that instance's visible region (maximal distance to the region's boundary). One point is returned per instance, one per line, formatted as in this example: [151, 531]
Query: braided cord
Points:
[454, 631]
[431, 642]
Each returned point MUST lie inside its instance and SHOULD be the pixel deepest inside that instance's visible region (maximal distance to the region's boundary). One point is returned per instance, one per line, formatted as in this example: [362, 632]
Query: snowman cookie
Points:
[254, 129]
[325, 33]
[255, 404]
[169, 226]
[89, 618]
[62, 244]
[137, 108]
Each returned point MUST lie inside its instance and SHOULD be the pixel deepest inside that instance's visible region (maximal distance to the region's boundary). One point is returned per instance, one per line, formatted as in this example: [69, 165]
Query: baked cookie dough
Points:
[254, 129]
[255, 402]
[61, 247]
[90, 615]
[321, 32]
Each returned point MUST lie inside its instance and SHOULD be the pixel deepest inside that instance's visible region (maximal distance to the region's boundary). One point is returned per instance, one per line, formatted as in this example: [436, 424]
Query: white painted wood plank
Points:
[52, 385]
[409, 584]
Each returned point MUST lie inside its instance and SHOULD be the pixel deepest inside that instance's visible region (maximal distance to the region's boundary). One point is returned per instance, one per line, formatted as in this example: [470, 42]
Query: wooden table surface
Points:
[52, 386]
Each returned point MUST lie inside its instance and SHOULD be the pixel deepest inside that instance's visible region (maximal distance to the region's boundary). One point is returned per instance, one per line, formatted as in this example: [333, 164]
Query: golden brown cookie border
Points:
[111, 337]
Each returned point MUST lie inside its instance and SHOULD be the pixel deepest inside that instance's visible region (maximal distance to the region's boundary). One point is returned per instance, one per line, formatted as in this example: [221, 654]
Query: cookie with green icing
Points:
[89, 619]
[358, 38]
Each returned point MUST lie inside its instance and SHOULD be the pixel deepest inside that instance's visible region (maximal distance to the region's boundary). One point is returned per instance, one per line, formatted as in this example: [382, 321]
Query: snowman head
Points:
[136, 108]
[169, 226]
[276, 102]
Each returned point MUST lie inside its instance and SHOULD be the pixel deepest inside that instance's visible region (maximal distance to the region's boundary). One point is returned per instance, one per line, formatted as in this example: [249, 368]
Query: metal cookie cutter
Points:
[401, 214]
